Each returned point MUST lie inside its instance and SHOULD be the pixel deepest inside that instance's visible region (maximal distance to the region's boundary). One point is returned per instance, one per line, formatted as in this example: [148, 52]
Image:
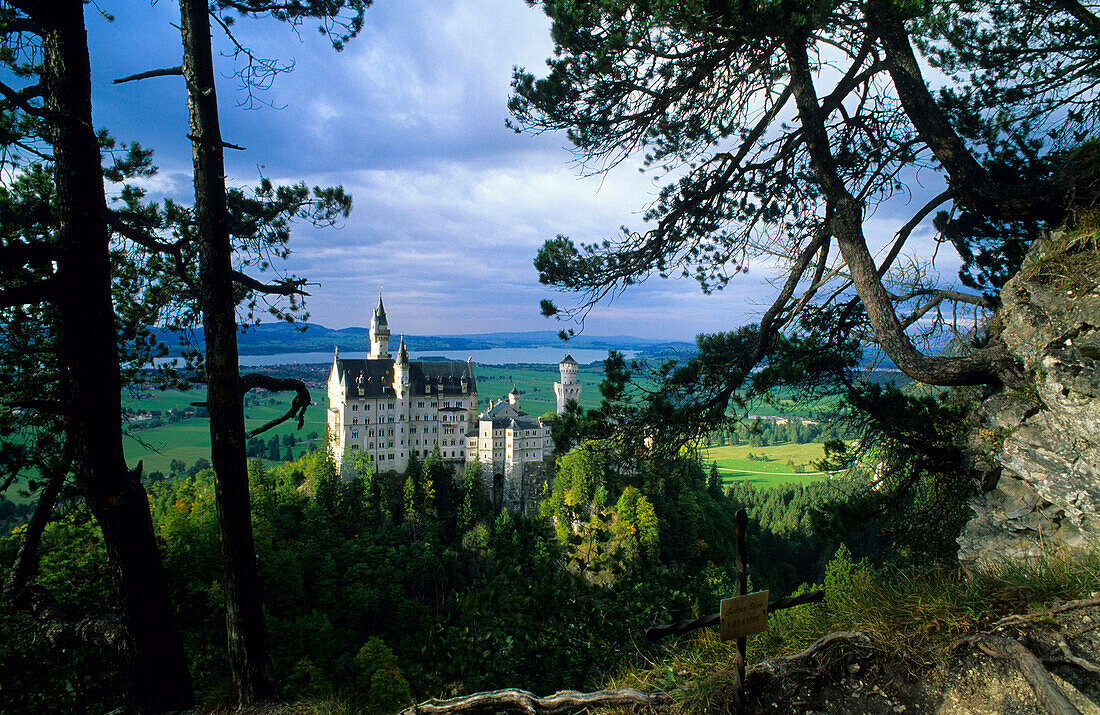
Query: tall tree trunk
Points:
[248, 653]
[156, 669]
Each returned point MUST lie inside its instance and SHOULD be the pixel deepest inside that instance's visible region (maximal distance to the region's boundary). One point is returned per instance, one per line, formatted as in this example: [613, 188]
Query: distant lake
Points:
[495, 356]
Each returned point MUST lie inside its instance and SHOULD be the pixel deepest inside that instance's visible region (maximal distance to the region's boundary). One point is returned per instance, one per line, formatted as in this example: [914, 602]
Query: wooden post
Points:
[740, 520]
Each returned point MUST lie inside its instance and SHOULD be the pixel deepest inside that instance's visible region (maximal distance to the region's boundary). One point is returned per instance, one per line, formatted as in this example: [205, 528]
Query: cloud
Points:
[450, 206]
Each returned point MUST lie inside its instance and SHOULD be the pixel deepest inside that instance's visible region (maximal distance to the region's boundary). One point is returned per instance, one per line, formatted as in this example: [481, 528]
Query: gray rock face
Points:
[1038, 454]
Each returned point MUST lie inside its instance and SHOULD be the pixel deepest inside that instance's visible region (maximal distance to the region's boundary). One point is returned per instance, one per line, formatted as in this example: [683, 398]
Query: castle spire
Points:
[379, 332]
[380, 311]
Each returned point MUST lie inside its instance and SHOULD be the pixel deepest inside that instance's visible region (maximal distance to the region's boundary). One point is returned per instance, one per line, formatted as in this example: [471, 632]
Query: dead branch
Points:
[164, 72]
[278, 384]
[777, 667]
[26, 560]
[1050, 697]
[520, 701]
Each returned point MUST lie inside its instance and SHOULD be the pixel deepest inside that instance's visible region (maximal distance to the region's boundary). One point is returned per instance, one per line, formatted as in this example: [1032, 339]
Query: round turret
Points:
[568, 388]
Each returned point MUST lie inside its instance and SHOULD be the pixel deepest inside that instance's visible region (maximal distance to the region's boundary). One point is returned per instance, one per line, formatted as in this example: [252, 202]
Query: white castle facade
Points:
[387, 408]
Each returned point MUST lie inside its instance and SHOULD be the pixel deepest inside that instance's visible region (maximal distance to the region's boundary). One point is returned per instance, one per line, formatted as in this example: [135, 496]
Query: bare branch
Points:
[26, 561]
[903, 233]
[21, 98]
[142, 238]
[298, 406]
[165, 72]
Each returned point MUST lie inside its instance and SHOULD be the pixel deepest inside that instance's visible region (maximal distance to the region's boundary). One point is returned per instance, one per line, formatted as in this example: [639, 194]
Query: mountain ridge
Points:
[270, 338]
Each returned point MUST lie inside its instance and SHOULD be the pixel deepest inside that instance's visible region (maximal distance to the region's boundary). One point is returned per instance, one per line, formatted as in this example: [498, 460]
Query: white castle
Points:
[388, 409]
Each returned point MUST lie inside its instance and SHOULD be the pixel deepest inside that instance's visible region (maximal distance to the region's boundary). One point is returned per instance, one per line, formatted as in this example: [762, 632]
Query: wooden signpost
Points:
[740, 616]
[743, 615]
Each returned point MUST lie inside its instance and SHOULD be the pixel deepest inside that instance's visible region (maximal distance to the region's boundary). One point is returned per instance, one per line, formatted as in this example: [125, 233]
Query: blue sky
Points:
[450, 206]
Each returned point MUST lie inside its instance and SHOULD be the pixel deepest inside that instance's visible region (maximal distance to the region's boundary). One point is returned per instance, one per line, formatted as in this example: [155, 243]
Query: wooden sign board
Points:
[744, 615]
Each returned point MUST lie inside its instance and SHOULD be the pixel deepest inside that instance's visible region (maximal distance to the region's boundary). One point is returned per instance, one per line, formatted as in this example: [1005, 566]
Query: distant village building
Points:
[568, 388]
[389, 408]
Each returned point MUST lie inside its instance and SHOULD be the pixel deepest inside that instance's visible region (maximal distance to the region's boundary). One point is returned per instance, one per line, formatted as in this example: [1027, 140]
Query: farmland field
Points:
[772, 466]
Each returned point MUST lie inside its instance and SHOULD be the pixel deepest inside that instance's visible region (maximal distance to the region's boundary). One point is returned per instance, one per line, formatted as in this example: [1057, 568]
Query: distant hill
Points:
[271, 338]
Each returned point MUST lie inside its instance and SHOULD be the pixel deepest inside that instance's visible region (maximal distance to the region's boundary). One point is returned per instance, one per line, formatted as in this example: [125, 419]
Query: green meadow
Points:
[535, 384]
[188, 440]
[772, 466]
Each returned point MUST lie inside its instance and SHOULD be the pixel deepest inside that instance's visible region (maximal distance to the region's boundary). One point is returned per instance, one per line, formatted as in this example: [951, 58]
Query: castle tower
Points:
[379, 332]
[568, 388]
[513, 397]
[401, 370]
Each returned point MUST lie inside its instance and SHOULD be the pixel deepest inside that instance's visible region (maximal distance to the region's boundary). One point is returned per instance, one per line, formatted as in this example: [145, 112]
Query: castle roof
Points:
[504, 415]
[380, 311]
[568, 359]
[374, 377]
[522, 422]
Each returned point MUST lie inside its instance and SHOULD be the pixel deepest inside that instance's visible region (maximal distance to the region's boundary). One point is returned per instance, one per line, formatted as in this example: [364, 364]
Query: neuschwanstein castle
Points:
[389, 408]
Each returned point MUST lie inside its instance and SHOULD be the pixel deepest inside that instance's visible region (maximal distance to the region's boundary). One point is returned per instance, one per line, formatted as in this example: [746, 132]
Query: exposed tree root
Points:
[779, 667]
[1067, 652]
[1047, 692]
[521, 701]
[1061, 608]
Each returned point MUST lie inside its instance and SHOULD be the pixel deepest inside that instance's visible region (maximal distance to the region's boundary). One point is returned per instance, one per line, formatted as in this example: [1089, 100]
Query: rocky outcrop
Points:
[1037, 449]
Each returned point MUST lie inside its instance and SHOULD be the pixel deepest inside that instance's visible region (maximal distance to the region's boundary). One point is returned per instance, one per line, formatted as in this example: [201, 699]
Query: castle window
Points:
[354, 448]
[366, 406]
[354, 408]
[434, 403]
[355, 420]
[355, 433]
[420, 403]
